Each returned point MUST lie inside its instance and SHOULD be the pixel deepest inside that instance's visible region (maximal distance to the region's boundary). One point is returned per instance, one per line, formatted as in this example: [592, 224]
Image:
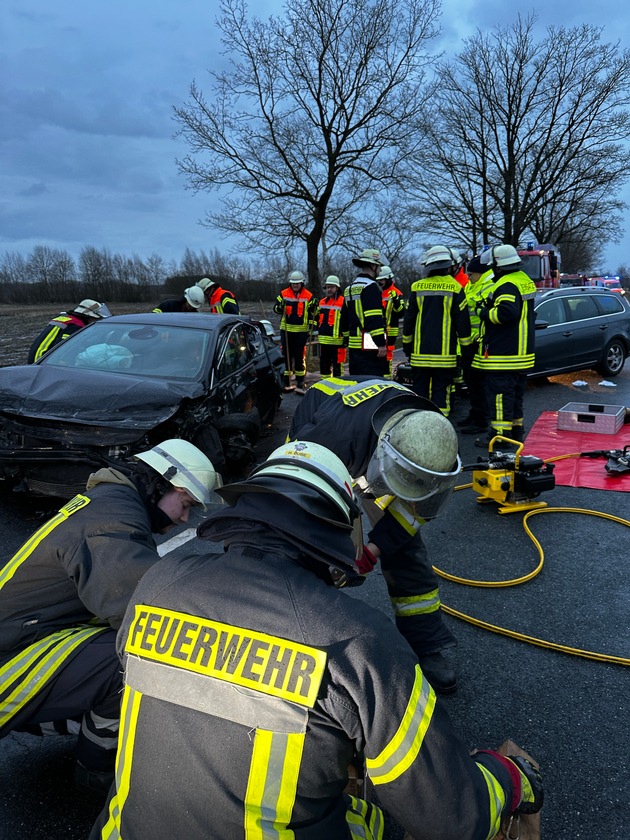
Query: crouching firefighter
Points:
[403, 454]
[64, 593]
[251, 681]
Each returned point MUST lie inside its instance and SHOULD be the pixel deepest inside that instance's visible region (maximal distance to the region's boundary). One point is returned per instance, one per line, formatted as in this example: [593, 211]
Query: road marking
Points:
[176, 541]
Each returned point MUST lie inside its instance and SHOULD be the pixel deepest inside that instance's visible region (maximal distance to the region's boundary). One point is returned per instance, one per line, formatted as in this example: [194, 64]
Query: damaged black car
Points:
[128, 382]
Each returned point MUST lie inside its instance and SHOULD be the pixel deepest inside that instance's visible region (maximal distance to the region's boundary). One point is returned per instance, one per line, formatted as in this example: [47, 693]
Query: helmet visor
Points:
[389, 472]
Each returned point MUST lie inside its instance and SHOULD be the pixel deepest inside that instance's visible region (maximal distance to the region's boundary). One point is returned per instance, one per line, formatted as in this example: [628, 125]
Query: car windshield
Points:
[136, 350]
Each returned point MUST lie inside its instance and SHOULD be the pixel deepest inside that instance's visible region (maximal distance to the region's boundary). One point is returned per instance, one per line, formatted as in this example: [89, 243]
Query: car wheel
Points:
[614, 358]
[248, 424]
[208, 441]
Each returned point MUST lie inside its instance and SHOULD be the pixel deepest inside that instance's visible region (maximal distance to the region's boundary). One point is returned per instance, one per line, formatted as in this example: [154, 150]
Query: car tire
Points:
[614, 358]
[248, 423]
[208, 441]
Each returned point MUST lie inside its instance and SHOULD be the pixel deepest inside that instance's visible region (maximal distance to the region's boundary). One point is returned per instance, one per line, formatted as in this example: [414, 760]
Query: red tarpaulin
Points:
[547, 441]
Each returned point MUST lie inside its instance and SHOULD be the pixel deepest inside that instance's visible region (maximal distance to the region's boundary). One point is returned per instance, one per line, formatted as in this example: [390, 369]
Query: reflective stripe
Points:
[404, 747]
[27, 674]
[330, 385]
[365, 820]
[272, 785]
[417, 604]
[124, 759]
[496, 803]
[249, 708]
[47, 341]
[31, 544]
[403, 514]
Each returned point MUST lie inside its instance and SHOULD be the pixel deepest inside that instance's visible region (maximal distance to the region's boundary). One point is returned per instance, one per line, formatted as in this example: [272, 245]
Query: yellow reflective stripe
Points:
[128, 722]
[330, 385]
[365, 820]
[404, 747]
[47, 341]
[272, 785]
[497, 801]
[38, 668]
[269, 664]
[417, 604]
[31, 544]
[404, 516]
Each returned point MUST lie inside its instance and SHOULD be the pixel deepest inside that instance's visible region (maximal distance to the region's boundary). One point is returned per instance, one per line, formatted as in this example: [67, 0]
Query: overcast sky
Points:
[87, 155]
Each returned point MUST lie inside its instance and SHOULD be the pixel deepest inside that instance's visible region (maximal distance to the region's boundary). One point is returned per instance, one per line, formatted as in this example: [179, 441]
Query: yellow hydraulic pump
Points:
[511, 479]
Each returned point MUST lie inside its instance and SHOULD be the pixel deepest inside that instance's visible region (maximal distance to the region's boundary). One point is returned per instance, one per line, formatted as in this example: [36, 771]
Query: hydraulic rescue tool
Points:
[511, 479]
[618, 459]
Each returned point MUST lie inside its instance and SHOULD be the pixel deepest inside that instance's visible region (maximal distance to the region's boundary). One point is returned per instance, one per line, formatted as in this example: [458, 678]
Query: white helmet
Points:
[370, 256]
[296, 277]
[185, 466]
[205, 284]
[92, 308]
[311, 465]
[439, 256]
[385, 273]
[194, 296]
[415, 458]
[332, 280]
[505, 255]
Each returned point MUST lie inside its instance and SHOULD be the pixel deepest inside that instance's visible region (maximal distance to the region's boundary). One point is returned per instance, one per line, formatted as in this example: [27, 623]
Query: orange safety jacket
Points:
[298, 311]
[222, 302]
[332, 321]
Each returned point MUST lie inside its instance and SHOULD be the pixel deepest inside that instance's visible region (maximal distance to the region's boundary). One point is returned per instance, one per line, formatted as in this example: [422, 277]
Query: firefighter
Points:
[436, 317]
[65, 324]
[220, 301]
[332, 328]
[298, 309]
[367, 340]
[250, 681]
[191, 301]
[393, 309]
[480, 282]
[354, 416]
[506, 346]
[64, 593]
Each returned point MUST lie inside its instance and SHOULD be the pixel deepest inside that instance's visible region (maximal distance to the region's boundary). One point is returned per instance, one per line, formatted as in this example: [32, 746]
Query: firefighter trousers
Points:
[505, 390]
[434, 383]
[413, 591]
[83, 699]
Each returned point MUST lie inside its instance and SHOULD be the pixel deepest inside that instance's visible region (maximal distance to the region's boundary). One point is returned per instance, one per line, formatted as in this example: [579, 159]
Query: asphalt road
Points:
[570, 713]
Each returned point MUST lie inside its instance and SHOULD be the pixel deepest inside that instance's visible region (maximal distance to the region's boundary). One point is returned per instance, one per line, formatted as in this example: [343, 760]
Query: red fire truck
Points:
[542, 264]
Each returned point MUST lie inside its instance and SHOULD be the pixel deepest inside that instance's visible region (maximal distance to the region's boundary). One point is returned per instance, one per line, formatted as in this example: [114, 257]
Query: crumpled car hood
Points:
[91, 397]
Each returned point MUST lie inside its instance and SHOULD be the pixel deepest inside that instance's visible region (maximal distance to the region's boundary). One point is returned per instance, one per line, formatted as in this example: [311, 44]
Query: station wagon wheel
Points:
[614, 358]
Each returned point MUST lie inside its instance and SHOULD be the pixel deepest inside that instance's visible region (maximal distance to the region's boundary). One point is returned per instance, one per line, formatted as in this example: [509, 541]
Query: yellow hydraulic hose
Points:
[532, 640]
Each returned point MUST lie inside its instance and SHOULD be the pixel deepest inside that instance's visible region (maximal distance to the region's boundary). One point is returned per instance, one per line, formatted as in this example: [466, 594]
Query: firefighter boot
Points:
[439, 672]
[300, 389]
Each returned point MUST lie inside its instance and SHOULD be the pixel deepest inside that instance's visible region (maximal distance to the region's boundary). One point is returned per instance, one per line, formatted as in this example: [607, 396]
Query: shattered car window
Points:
[152, 351]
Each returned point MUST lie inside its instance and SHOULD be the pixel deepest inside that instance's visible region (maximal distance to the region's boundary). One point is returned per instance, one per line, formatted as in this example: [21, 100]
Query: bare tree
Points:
[313, 117]
[527, 138]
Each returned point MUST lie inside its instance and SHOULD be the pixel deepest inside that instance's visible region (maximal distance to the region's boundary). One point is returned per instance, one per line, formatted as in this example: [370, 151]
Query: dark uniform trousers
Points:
[323, 417]
[329, 359]
[83, 699]
[366, 363]
[505, 392]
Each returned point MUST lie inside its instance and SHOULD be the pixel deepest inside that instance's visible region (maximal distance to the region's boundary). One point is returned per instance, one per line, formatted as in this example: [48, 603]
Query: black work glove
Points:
[533, 794]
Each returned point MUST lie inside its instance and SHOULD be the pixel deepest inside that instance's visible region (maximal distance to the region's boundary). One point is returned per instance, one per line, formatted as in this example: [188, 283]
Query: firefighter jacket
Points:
[393, 308]
[365, 313]
[249, 684]
[508, 325]
[436, 317]
[476, 294]
[337, 412]
[298, 311]
[75, 573]
[332, 321]
[222, 302]
[60, 328]
[173, 305]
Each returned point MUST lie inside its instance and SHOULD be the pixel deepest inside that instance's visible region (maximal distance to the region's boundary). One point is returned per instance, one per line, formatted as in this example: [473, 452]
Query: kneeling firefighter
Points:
[251, 680]
[403, 454]
[64, 593]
